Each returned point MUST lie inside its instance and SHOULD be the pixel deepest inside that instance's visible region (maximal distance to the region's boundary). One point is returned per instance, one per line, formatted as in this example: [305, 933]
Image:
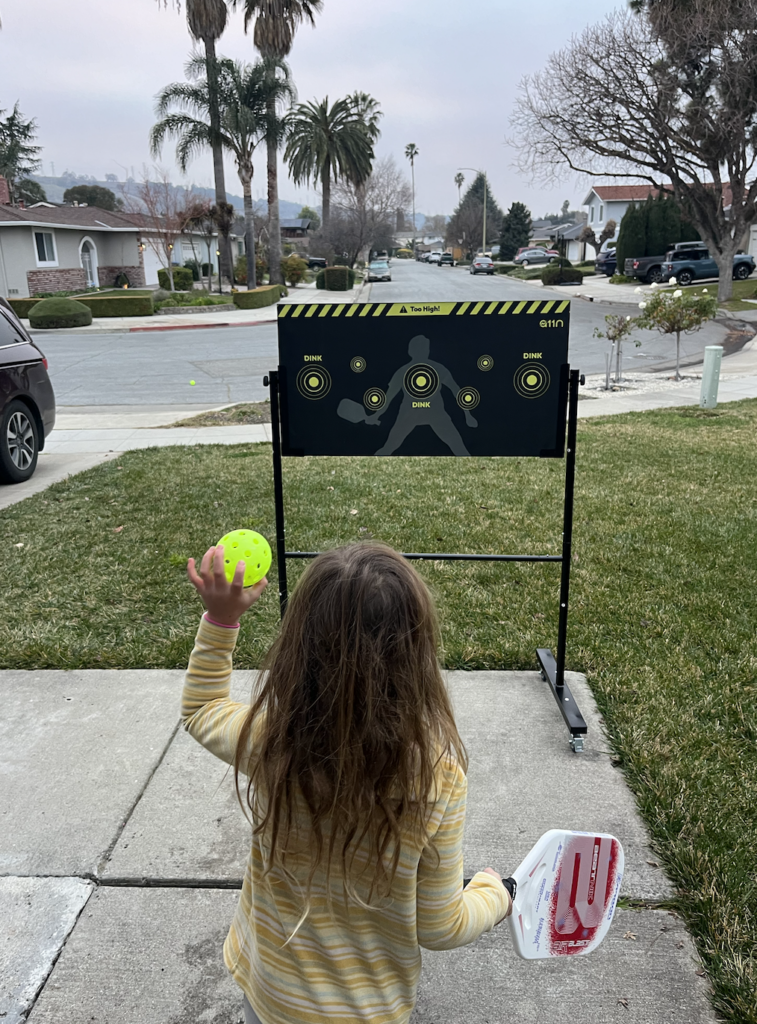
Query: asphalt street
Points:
[228, 363]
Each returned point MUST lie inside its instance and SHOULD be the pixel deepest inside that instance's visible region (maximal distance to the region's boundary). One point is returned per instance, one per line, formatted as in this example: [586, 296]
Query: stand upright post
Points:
[278, 489]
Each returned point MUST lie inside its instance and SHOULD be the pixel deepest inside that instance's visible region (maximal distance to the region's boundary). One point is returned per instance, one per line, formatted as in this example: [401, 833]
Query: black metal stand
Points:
[553, 671]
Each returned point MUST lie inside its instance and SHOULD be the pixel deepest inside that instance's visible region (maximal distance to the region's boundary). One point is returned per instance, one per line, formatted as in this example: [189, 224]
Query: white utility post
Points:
[708, 396]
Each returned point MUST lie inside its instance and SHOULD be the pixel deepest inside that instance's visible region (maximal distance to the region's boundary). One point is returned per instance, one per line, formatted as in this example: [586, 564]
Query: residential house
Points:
[47, 249]
[296, 230]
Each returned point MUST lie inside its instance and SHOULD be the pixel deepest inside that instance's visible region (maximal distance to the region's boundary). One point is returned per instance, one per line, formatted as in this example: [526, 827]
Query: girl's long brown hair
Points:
[357, 715]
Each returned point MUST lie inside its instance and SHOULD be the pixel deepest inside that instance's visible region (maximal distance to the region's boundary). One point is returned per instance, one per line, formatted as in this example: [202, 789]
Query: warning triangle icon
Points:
[403, 310]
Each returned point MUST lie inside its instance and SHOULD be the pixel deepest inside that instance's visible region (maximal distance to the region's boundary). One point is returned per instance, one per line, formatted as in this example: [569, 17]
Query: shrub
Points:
[118, 305]
[182, 279]
[259, 297]
[121, 280]
[561, 261]
[293, 269]
[21, 307]
[240, 269]
[50, 313]
[561, 275]
[194, 266]
[341, 261]
[622, 279]
[335, 279]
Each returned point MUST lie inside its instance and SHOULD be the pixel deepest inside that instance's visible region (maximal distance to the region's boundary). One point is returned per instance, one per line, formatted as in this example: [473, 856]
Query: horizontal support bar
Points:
[449, 558]
[561, 692]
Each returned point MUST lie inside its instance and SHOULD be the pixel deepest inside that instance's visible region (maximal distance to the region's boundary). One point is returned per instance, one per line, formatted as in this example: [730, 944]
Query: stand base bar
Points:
[449, 558]
[573, 717]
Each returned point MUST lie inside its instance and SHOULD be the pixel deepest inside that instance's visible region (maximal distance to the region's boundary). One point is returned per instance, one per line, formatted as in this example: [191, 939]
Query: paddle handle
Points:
[509, 883]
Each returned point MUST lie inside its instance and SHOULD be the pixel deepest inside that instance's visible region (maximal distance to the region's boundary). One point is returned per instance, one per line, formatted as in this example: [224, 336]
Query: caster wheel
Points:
[577, 744]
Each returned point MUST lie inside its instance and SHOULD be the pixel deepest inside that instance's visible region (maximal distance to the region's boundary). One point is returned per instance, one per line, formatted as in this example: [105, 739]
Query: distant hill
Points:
[55, 187]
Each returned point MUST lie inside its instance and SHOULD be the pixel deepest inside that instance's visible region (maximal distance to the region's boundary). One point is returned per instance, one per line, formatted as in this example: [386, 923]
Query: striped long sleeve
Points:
[337, 964]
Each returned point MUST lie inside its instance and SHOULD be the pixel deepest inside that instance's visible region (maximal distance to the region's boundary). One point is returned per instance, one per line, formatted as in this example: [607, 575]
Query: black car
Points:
[447, 260]
[606, 262]
[27, 401]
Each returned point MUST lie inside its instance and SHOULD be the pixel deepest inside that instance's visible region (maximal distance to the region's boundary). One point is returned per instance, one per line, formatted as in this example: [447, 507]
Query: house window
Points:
[240, 247]
[601, 213]
[44, 242]
[591, 214]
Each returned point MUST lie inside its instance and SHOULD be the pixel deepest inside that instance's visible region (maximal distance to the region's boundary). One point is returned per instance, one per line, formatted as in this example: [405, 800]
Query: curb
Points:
[194, 327]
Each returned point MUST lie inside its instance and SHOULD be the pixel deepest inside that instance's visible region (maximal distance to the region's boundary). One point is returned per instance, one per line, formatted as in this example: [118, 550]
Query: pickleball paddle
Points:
[566, 892]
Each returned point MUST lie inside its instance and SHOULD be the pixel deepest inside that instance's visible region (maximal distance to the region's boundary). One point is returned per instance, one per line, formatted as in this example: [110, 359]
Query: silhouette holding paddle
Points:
[421, 381]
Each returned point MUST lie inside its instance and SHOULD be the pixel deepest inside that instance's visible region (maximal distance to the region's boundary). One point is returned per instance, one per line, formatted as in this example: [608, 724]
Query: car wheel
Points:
[654, 275]
[685, 277]
[524, 263]
[742, 272]
[19, 443]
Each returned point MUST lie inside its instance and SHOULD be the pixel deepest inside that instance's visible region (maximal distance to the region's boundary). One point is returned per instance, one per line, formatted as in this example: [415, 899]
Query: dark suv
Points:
[27, 401]
[446, 260]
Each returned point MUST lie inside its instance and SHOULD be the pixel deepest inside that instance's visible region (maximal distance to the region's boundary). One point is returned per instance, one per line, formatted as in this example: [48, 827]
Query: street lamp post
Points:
[486, 189]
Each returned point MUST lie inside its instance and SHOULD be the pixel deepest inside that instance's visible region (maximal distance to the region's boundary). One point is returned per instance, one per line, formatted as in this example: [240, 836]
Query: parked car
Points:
[27, 400]
[606, 262]
[447, 260]
[535, 255]
[379, 270]
[696, 264]
[435, 256]
[313, 262]
[482, 265]
[649, 268]
[381, 257]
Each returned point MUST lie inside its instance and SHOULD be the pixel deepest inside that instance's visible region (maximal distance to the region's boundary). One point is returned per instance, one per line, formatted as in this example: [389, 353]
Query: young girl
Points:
[356, 787]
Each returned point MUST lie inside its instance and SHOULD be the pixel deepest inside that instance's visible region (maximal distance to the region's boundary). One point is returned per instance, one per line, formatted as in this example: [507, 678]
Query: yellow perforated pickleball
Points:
[249, 547]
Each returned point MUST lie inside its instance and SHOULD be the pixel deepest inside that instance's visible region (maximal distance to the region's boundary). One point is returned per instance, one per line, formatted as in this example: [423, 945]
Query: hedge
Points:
[21, 307]
[121, 304]
[182, 279]
[564, 275]
[259, 297]
[50, 313]
[335, 279]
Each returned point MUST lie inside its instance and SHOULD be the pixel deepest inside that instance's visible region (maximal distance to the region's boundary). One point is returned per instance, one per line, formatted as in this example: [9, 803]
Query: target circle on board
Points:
[358, 364]
[531, 380]
[374, 398]
[421, 381]
[313, 382]
[485, 362]
[468, 398]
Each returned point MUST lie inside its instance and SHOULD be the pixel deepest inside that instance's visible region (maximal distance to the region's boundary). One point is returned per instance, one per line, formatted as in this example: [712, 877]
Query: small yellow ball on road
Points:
[192, 382]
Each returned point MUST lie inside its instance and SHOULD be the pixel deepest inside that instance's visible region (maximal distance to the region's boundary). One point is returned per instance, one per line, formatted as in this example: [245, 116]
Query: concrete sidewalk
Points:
[122, 847]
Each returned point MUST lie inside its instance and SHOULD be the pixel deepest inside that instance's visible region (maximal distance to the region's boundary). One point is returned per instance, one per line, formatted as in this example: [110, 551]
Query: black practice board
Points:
[424, 378]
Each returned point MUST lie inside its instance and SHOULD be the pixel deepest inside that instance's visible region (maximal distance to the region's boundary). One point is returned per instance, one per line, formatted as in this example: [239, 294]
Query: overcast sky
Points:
[445, 73]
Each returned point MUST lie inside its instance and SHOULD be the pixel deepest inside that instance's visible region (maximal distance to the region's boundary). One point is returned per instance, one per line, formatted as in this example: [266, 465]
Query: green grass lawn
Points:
[741, 290]
[663, 604]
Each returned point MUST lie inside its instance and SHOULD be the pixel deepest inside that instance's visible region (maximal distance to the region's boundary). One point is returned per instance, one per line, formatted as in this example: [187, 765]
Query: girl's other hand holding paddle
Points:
[225, 602]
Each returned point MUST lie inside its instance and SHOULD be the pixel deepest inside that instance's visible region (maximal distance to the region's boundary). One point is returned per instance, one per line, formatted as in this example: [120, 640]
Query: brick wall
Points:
[53, 280]
[5, 192]
[108, 275]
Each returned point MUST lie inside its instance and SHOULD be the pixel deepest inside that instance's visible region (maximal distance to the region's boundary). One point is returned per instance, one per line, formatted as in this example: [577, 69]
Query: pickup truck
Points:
[690, 259]
[686, 267]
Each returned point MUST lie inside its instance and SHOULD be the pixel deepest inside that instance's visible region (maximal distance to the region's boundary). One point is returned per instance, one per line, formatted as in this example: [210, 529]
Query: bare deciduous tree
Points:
[588, 236]
[677, 109]
[370, 209]
[160, 209]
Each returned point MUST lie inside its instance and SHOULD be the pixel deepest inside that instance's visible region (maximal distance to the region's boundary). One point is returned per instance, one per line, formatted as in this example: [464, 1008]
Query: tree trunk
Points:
[225, 261]
[725, 267]
[249, 231]
[210, 267]
[326, 195]
[169, 269]
[274, 230]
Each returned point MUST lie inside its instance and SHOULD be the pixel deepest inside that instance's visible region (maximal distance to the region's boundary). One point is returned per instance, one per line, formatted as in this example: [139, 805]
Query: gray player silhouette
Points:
[415, 410]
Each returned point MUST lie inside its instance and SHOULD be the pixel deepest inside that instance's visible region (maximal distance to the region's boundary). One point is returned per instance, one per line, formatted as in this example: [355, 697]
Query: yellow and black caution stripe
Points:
[372, 309]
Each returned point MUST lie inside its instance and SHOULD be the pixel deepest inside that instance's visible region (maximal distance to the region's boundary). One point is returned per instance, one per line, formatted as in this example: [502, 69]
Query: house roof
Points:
[574, 231]
[303, 223]
[72, 217]
[620, 193]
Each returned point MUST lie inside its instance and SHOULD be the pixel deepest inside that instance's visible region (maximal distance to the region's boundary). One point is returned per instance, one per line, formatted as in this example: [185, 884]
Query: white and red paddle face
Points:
[568, 888]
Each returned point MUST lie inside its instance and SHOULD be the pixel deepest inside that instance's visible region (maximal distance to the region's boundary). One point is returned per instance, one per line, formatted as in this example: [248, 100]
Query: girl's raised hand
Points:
[226, 602]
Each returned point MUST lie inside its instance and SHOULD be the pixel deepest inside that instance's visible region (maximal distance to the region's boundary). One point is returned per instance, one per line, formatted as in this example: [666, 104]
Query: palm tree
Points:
[206, 20]
[327, 143]
[459, 179]
[276, 22]
[243, 93]
[411, 152]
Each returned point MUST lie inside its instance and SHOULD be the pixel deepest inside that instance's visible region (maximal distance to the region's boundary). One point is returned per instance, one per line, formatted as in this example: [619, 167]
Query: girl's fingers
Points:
[237, 584]
[205, 564]
[218, 563]
[192, 573]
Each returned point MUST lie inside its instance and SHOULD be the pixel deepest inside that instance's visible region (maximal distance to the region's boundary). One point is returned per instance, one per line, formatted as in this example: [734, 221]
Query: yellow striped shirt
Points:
[344, 964]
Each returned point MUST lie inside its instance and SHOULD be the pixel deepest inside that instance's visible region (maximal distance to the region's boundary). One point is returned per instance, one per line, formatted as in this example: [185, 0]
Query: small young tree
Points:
[30, 191]
[676, 313]
[516, 230]
[617, 330]
[160, 208]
